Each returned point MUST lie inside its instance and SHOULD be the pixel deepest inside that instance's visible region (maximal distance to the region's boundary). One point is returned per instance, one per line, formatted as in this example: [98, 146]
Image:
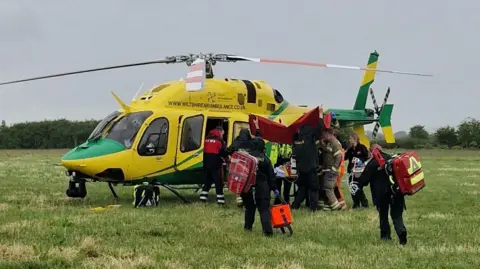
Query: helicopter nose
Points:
[88, 157]
[94, 149]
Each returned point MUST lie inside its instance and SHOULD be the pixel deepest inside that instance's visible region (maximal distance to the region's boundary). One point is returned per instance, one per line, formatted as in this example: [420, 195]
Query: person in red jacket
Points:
[214, 150]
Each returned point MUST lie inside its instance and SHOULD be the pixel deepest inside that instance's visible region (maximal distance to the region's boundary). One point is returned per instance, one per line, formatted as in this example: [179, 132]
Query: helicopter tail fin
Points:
[195, 80]
[384, 119]
[368, 78]
[124, 106]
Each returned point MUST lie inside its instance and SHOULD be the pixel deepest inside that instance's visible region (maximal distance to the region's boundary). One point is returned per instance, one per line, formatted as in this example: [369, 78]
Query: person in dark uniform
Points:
[385, 198]
[242, 142]
[214, 150]
[265, 183]
[305, 151]
[360, 151]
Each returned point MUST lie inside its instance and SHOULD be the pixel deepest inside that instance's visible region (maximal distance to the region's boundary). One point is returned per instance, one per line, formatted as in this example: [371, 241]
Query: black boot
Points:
[402, 237]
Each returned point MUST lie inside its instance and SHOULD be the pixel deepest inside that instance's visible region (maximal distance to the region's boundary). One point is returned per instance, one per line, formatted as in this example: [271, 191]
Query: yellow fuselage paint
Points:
[219, 99]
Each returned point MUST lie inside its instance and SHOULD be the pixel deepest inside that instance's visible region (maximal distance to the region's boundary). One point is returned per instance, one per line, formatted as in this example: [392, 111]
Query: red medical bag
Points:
[408, 173]
[242, 172]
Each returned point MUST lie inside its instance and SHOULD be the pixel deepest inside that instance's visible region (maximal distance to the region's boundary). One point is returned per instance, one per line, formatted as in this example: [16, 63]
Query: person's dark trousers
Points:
[211, 177]
[395, 205]
[287, 185]
[262, 204]
[308, 186]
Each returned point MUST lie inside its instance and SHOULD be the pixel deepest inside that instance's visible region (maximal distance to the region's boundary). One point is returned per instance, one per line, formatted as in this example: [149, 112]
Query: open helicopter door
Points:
[189, 150]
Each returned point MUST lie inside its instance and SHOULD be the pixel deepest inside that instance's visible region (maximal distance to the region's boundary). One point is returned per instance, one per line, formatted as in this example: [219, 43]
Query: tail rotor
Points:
[384, 114]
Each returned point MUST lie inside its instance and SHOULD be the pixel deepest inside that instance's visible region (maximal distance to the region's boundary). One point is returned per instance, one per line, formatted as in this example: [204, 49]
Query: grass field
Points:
[41, 228]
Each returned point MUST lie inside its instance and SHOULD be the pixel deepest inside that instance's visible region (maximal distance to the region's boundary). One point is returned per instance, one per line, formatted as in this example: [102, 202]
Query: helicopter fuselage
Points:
[159, 136]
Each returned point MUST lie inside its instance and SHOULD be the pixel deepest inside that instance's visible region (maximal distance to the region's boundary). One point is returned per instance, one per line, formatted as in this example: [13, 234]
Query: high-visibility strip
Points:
[414, 180]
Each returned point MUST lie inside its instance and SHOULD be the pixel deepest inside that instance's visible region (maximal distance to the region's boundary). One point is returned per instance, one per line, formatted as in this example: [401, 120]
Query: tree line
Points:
[464, 135]
[47, 134]
[62, 133]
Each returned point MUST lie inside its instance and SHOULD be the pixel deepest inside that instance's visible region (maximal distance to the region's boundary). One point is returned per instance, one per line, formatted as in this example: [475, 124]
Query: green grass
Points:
[41, 228]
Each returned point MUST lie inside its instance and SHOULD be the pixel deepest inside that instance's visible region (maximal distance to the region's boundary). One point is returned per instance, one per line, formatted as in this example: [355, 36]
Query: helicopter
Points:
[158, 137]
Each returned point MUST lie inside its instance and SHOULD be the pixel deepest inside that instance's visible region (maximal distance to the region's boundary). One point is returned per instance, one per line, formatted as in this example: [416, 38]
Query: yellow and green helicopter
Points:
[159, 136]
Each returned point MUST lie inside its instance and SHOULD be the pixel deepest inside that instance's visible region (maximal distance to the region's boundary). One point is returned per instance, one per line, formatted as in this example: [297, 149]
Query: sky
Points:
[55, 36]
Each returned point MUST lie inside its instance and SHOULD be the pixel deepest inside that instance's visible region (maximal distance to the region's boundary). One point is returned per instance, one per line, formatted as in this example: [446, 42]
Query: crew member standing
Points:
[331, 161]
[385, 197]
[360, 151]
[306, 155]
[265, 183]
[214, 150]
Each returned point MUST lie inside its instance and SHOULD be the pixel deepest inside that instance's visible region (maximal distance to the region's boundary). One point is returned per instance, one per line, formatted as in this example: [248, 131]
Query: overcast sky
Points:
[50, 36]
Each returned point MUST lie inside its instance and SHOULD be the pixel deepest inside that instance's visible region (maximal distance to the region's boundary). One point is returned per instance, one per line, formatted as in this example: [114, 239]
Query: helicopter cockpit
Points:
[126, 128]
[103, 124]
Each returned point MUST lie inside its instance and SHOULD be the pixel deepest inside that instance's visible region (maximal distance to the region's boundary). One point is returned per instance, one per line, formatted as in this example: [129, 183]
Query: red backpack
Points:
[242, 172]
[406, 170]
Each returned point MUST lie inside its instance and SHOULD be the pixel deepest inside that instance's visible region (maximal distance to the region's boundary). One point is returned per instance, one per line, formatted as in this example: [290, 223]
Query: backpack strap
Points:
[378, 157]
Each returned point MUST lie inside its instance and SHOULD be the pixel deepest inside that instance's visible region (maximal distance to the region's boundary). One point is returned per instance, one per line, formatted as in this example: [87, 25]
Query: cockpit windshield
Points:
[125, 129]
[102, 124]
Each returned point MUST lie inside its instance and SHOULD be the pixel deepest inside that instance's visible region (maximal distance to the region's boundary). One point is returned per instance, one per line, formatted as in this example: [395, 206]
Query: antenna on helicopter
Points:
[138, 91]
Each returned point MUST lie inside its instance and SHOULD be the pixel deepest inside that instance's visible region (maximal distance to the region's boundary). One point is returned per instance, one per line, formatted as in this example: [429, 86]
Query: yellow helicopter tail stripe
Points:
[360, 131]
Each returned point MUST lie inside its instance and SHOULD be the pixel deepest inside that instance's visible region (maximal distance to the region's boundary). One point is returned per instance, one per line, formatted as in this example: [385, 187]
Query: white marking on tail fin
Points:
[195, 80]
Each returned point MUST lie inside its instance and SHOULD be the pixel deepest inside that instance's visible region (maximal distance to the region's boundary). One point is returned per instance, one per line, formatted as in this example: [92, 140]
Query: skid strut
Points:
[174, 191]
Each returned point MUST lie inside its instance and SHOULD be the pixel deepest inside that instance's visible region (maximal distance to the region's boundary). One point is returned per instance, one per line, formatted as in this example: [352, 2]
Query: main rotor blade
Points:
[88, 70]
[262, 60]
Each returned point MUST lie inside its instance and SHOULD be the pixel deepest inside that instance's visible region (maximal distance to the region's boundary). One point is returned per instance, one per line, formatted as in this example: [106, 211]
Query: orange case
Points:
[277, 212]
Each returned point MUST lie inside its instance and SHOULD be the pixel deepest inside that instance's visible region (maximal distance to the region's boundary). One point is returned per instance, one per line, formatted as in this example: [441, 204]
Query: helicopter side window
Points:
[192, 133]
[155, 138]
[102, 124]
[125, 129]
[237, 126]
[278, 96]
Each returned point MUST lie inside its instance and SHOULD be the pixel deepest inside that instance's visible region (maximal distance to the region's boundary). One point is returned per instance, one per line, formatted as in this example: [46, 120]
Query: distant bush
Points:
[48, 134]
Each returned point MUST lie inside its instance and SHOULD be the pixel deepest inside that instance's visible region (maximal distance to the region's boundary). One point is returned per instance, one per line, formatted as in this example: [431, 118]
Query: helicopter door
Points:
[190, 142]
[154, 150]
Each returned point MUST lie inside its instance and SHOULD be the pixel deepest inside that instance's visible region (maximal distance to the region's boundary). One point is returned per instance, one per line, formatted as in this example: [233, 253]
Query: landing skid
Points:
[166, 186]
